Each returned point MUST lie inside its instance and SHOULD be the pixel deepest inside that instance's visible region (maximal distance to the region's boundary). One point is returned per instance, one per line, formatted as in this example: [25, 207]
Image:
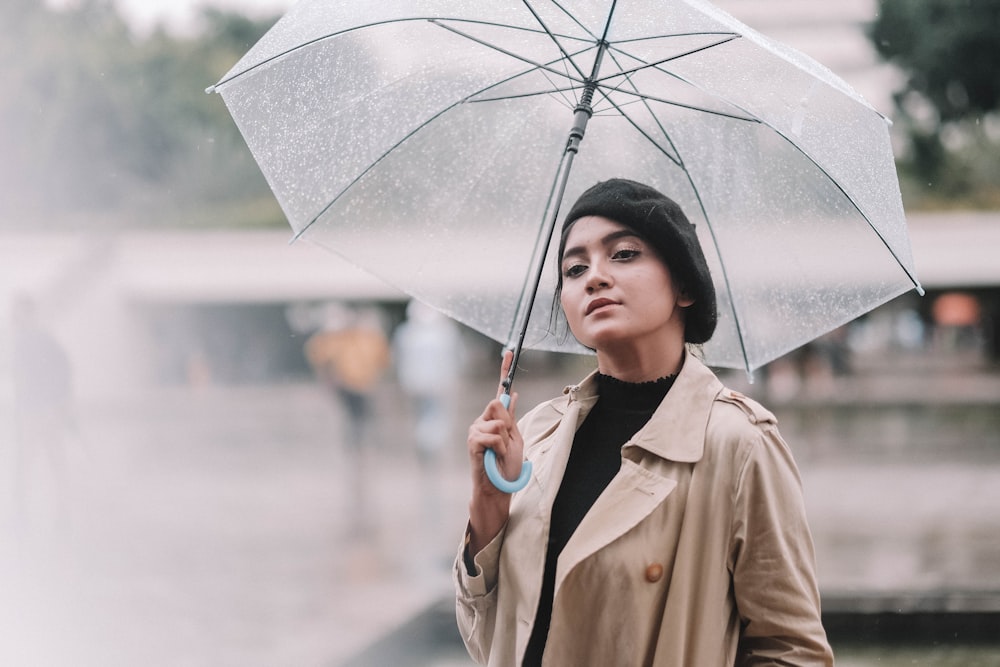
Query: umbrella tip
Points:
[210, 90]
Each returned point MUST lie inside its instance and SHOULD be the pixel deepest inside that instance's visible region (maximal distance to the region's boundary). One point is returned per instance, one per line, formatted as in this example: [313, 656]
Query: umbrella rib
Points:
[430, 19]
[569, 100]
[544, 68]
[515, 56]
[545, 28]
[566, 56]
[913, 279]
[537, 93]
[626, 74]
[679, 161]
[561, 91]
[753, 118]
[371, 166]
[749, 118]
[677, 56]
[676, 160]
[572, 17]
[396, 145]
[669, 35]
[644, 97]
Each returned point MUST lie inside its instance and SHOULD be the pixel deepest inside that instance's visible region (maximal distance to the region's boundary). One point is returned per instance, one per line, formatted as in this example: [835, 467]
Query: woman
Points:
[664, 523]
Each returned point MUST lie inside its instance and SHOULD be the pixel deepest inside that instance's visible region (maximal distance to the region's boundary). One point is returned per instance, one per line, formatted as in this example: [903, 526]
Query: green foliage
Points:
[99, 124]
[948, 51]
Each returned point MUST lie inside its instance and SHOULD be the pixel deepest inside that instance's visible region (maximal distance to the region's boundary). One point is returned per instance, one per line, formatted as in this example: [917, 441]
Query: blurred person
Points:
[957, 319]
[664, 523]
[349, 356]
[43, 405]
[821, 361]
[910, 330]
[429, 357]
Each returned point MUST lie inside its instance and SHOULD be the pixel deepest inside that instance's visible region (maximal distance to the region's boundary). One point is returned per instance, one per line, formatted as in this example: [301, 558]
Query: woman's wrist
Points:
[486, 519]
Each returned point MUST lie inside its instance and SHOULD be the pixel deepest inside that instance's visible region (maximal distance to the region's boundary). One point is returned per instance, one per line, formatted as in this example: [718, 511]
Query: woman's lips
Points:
[599, 303]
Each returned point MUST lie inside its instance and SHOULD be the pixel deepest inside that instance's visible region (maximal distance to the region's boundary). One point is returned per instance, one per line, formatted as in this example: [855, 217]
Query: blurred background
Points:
[180, 486]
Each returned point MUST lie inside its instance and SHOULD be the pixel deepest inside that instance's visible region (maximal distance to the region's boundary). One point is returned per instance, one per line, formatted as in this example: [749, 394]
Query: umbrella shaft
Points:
[580, 119]
[562, 177]
[581, 116]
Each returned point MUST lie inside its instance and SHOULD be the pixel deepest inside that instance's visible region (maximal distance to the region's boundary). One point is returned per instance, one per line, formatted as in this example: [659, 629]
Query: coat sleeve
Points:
[476, 597]
[476, 589]
[773, 562]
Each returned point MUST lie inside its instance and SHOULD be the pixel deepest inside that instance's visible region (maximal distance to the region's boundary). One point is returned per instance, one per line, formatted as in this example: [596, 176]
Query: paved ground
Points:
[222, 527]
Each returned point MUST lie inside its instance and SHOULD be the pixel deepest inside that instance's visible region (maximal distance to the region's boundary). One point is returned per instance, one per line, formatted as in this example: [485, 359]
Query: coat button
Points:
[654, 573]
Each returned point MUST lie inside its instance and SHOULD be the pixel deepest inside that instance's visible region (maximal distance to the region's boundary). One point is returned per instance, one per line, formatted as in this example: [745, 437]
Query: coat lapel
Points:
[549, 459]
[675, 432]
[630, 497]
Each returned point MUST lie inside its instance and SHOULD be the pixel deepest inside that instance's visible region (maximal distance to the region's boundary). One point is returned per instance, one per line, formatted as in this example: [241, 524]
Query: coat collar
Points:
[683, 412]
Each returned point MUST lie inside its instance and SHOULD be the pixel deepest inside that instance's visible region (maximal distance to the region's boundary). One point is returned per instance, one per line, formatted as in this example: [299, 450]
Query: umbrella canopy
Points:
[430, 142]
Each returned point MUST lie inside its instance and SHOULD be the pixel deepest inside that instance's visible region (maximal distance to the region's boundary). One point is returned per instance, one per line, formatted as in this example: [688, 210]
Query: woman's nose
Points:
[598, 276]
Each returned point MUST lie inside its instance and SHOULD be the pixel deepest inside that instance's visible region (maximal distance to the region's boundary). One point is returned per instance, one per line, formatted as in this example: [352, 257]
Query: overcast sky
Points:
[181, 14]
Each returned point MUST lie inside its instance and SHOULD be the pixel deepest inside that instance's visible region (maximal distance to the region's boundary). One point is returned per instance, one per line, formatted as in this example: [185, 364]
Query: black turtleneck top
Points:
[621, 410]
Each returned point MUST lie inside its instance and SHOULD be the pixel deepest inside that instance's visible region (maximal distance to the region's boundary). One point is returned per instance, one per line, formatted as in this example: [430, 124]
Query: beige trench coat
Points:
[696, 555]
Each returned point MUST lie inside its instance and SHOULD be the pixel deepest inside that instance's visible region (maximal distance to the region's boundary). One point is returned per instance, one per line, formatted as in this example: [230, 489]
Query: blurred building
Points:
[174, 307]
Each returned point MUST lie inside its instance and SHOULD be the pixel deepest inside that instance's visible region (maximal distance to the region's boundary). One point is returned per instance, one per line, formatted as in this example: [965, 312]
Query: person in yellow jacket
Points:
[664, 523]
[349, 356]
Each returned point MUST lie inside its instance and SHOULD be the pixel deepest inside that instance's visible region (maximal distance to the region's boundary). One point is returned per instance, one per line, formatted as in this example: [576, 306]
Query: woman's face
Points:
[616, 291]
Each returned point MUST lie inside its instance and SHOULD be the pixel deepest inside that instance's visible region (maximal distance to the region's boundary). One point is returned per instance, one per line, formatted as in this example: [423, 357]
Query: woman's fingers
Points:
[508, 359]
[491, 434]
[495, 422]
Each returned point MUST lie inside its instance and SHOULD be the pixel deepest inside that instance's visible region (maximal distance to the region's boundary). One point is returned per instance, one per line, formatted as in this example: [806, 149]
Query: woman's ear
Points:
[684, 299]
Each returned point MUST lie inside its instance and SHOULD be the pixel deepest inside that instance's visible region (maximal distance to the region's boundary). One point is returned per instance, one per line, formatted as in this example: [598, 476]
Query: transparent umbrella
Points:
[433, 143]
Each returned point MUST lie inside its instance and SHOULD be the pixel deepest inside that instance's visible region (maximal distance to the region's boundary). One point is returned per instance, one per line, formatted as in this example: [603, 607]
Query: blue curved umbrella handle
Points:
[490, 463]
[493, 472]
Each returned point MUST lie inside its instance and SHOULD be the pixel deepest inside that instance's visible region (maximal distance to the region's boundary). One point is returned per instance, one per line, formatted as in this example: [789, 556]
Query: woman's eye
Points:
[574, 270]
[625, 253]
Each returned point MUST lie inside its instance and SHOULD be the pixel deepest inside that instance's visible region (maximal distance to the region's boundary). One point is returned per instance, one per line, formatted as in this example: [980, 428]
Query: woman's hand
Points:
[495, 429]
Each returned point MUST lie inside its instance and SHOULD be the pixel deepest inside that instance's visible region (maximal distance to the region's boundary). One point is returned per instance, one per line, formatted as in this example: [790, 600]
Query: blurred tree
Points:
[948, 50]
[99, 124]
[190, 136]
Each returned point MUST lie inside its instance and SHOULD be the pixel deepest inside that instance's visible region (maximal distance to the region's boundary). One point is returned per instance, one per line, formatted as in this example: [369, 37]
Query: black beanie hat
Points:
[660, 222]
